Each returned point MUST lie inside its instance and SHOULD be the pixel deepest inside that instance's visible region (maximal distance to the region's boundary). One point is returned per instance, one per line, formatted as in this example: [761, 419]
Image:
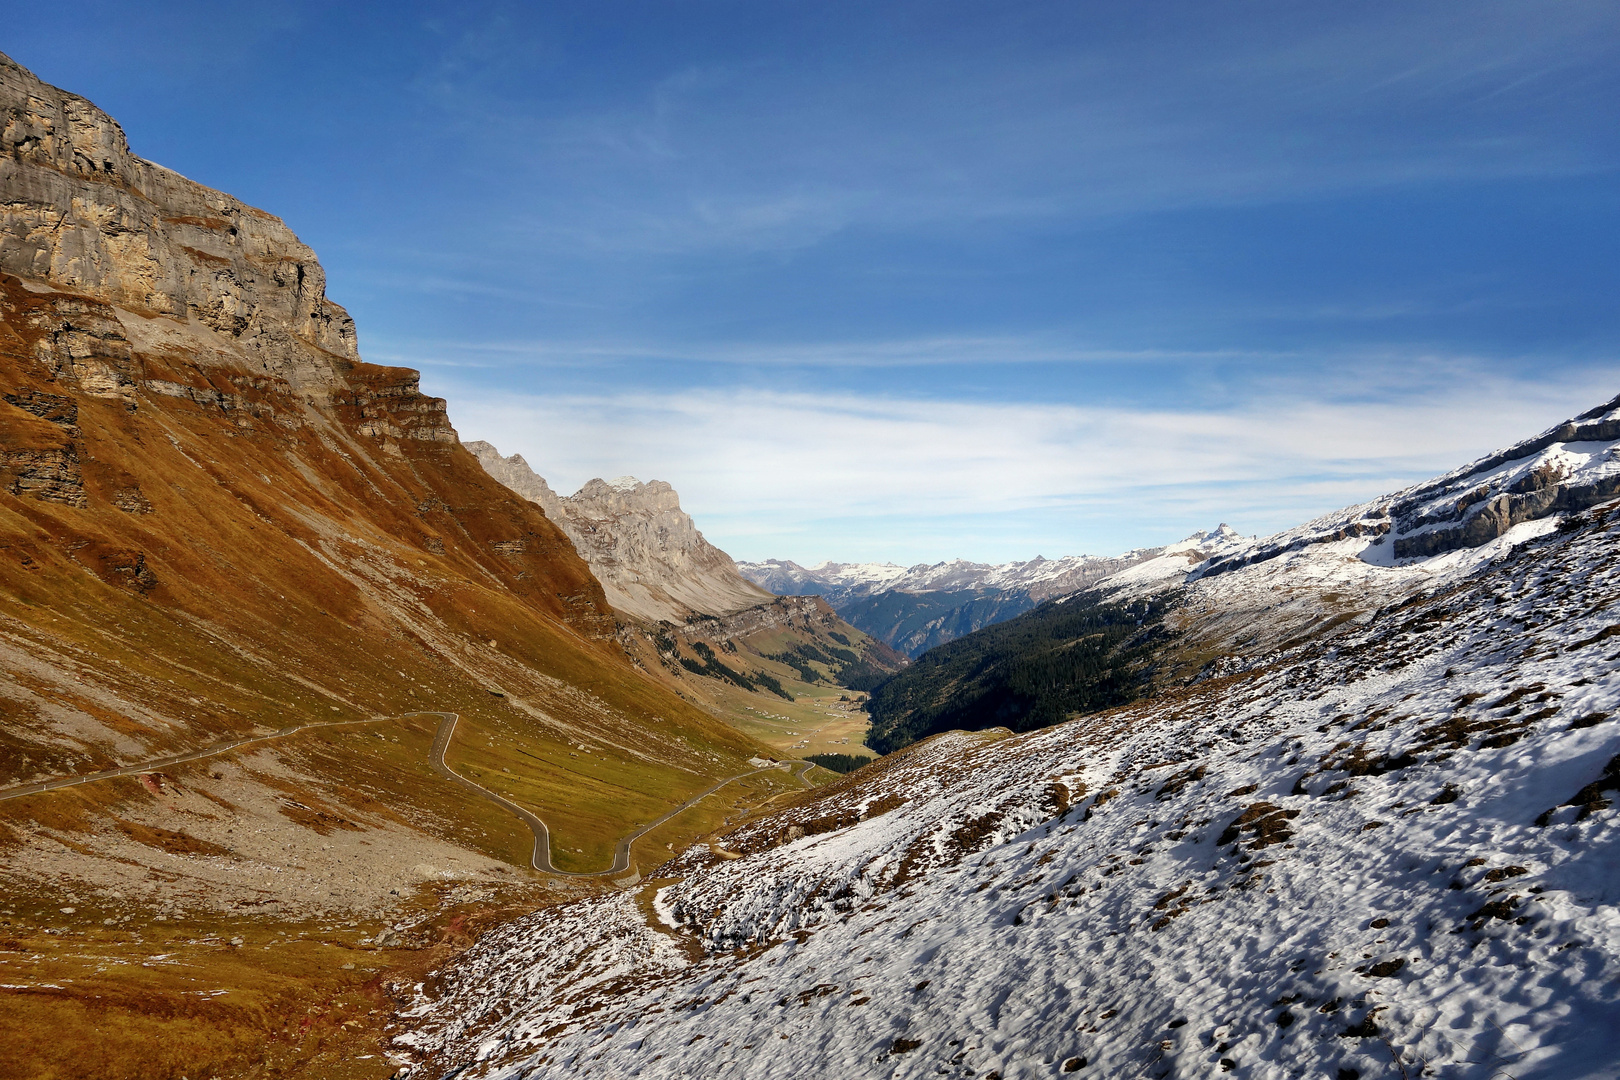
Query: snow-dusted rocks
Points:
[915, 609]
[1382, 852]
[841, 582]
[1563, 470]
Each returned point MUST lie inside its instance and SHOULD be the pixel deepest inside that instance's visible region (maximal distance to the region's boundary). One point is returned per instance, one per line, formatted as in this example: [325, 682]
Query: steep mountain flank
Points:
[914, 623]
[1380, 848]
[1066, 657]
[1565, 469]
[218, 524]
[1324, 577]
[1078, 653]
[516, 474]
[652, 562]
[915, 609]
[787, 671]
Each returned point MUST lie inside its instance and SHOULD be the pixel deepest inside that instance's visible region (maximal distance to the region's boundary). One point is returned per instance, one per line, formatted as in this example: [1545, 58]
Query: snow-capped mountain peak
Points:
[842, 582]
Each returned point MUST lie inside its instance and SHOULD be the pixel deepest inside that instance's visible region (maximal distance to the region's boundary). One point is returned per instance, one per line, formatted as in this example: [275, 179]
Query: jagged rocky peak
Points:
[1221, 532]
[516, 474]
[84, 215]
[1038, 578]
[646, 551]
[627, 495]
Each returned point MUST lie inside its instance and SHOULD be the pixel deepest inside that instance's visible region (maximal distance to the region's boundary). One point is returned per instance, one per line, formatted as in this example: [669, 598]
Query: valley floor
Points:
[829, 724]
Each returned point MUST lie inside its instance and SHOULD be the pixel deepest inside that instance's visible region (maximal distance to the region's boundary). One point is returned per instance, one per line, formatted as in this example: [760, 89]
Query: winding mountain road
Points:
[540, 859]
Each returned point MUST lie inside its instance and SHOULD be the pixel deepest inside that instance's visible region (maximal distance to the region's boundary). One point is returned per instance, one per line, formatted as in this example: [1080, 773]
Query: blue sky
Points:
[917, 281]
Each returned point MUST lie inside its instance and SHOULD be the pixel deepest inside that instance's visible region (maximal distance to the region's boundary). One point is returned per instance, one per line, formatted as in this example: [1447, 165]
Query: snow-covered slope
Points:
[1564, 469]
[1391, 854]
[834, 580]
[1372, 837]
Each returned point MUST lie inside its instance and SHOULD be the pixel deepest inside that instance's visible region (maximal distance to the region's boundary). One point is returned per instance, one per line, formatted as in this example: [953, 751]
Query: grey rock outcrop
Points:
[646, 551]
[85, 215]
[516, 474]
[1565, 469]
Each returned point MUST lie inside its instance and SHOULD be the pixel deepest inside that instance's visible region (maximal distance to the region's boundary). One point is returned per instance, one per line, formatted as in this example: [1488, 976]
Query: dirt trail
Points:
[176, 759]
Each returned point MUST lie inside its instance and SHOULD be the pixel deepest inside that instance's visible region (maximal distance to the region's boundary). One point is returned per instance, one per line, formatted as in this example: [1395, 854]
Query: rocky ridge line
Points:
[646, 551]
[1567, 468]
[1038, 578]
[85, 215]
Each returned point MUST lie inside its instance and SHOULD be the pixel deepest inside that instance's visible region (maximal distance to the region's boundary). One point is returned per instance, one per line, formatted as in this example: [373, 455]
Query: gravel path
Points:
[176, 759]
[541, 858]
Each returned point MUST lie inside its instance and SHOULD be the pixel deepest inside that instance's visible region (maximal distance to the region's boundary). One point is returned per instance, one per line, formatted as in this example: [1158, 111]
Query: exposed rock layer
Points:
[646, 551]
[85, 216]
[1567, 468]
[216, 520]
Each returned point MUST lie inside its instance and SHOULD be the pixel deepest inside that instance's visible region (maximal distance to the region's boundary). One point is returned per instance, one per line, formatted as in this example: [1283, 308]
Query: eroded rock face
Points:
[803, 613]
[86, 216]
[1564, 470]
[646, 551]
[164, 346]
[516, 474]
[217, 522]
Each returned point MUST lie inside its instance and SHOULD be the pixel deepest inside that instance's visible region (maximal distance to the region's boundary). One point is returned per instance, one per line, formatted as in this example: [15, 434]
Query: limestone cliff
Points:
[651, 559]
[216, 520]
[84, 215]
[1565, 470]
[516, 474]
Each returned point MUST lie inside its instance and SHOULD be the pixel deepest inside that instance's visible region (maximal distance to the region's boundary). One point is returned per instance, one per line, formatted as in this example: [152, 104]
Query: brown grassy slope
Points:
[745, 642]
[283, 562]
[215, 521]
[179, 571]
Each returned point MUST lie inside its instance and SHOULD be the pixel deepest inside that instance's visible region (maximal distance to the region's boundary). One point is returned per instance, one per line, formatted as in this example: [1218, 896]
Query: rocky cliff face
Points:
[217, 521]
[83, 215]
[646, 551]
[1565, 469]
[516, 474]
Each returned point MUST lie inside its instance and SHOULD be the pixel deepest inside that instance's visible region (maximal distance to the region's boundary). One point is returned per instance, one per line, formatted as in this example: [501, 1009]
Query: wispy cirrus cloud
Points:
[1106, 118]
[812, 476]
[905, 352]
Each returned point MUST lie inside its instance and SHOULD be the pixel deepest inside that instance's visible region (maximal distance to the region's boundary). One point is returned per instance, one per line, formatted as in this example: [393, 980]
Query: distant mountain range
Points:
[1306, 794]
[916, 608]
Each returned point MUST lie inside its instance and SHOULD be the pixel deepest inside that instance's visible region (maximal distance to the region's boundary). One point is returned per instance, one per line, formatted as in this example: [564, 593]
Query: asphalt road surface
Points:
[541, 859]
